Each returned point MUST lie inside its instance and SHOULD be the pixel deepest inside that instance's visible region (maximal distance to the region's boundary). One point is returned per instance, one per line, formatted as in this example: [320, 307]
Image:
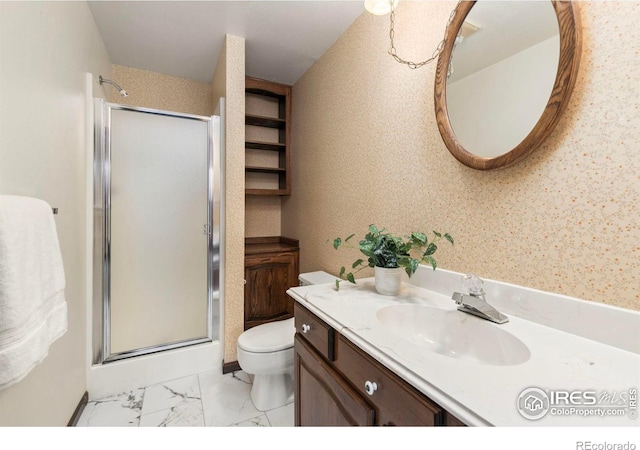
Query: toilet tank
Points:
[318, 277]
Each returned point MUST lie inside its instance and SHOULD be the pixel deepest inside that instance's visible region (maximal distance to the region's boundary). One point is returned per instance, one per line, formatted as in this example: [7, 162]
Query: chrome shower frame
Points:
[101, 317]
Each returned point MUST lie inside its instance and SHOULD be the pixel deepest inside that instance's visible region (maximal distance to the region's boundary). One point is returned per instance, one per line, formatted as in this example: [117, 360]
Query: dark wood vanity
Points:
[337, 384]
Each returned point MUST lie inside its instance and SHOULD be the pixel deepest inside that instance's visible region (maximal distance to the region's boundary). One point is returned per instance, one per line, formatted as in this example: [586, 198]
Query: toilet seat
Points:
[268, 337]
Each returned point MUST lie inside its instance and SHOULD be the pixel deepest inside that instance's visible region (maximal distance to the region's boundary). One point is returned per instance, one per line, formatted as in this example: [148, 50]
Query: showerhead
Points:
[112, 83]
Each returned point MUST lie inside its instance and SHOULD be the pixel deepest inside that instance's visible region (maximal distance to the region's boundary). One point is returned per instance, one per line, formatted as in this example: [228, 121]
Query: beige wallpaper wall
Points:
[262, 216]
[228, 82]
[158, 91]
[367, 150]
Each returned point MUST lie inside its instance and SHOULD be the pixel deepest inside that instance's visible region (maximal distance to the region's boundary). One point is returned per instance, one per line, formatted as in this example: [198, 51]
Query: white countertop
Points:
[481, 394]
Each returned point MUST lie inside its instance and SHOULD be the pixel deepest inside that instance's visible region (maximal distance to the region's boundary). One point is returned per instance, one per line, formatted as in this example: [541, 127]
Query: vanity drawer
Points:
[396, 402]
[320, 335]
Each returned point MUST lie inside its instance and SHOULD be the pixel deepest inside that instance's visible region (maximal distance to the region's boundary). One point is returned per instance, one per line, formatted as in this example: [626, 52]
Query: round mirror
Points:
[504, 77]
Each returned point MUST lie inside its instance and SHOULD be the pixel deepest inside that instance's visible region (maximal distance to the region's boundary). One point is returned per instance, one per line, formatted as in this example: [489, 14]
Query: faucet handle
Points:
[473, 284]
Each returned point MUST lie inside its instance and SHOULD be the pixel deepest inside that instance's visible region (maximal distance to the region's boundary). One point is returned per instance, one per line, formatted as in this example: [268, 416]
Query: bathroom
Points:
[564, 220]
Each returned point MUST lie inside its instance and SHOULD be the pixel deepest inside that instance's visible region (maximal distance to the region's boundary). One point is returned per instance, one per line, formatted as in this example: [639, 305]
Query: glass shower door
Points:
[157, 230]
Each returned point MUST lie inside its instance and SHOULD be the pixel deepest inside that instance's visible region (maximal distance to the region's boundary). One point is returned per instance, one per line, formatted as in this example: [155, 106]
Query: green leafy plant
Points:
[383, 249]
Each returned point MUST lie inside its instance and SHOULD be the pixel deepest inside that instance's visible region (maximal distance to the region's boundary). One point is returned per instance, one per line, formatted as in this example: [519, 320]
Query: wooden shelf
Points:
[258, 145]
[261, 121]
[280, 121]
[266, 192]
[269, 244]
[265, 92]
[264, 169]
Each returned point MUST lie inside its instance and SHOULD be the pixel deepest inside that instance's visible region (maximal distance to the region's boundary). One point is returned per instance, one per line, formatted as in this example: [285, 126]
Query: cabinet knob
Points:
[370, 387]
[306, 328]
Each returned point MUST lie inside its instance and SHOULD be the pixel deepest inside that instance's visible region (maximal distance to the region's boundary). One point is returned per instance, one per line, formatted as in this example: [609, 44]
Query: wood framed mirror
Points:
[495, 102]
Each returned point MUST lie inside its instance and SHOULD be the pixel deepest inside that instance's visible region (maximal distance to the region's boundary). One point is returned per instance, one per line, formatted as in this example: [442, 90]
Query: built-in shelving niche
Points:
[267, 138]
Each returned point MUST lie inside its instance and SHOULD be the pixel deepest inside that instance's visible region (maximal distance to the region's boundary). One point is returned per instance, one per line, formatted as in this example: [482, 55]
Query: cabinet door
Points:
[323, 397]
[267, 279]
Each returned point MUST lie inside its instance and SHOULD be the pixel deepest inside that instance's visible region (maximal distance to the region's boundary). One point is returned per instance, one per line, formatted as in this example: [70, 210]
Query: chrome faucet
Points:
[475, 303]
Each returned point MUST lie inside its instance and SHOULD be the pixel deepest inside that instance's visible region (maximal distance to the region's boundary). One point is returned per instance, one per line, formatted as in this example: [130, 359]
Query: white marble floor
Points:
[206, 399]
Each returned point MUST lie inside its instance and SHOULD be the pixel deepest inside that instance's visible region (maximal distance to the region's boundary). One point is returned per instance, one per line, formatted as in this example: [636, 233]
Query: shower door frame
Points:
[102, 232]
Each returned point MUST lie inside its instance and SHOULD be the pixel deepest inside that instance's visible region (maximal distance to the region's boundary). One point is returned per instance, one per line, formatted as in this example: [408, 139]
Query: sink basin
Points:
[454, 334]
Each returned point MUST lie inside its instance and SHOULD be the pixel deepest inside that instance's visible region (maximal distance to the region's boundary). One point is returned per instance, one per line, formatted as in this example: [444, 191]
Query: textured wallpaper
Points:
[158, 91]
[234, 209]
[228, 81]
[367, 150]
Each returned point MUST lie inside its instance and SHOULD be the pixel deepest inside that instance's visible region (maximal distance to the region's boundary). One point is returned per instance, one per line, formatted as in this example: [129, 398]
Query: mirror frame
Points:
[568, 17]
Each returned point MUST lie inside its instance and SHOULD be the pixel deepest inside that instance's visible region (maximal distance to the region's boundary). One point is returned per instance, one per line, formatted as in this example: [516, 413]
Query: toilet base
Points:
[272, 391]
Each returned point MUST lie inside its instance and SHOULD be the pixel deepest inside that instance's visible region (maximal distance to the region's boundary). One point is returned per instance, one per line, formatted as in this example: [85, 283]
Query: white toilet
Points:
[266, 352]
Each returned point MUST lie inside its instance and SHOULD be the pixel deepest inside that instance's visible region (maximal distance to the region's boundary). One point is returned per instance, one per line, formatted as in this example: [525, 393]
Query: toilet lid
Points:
[268, 337]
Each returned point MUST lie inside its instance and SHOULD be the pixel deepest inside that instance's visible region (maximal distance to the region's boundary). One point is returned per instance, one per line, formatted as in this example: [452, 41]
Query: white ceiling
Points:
[183, 38]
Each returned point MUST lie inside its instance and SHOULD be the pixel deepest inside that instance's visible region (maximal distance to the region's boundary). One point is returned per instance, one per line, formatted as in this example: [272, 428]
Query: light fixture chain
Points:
[413, 65]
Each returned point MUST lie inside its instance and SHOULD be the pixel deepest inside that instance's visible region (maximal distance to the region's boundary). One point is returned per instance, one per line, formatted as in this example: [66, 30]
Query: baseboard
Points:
[230, 367]
[78, 412]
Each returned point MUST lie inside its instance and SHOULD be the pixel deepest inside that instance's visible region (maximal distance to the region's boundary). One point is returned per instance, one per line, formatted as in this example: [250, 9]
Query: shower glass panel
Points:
[157, 283]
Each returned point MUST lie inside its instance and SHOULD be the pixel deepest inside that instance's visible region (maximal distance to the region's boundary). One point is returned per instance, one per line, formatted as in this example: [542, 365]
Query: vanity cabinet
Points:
[322, 396]
[271, 266]
[339, 384]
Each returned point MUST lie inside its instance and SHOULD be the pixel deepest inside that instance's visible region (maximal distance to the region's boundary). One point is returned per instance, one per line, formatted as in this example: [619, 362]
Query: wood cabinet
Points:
[322, 396]
[267, 137]
[271, 266]
[339, 384]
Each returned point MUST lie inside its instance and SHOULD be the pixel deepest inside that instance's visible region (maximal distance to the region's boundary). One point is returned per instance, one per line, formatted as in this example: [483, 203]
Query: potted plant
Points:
[389, 255]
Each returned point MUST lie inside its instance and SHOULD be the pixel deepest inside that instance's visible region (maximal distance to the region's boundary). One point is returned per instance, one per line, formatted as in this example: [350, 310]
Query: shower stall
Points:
[157, 239]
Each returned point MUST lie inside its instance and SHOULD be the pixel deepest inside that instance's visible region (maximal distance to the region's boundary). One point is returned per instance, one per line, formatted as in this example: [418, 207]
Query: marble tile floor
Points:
[206, 399]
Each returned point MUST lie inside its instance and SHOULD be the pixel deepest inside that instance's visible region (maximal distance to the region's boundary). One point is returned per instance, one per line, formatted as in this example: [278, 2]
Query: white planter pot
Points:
[388, 280]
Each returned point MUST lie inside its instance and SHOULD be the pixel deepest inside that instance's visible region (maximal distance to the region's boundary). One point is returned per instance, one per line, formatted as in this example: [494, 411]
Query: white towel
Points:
[33, 310]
